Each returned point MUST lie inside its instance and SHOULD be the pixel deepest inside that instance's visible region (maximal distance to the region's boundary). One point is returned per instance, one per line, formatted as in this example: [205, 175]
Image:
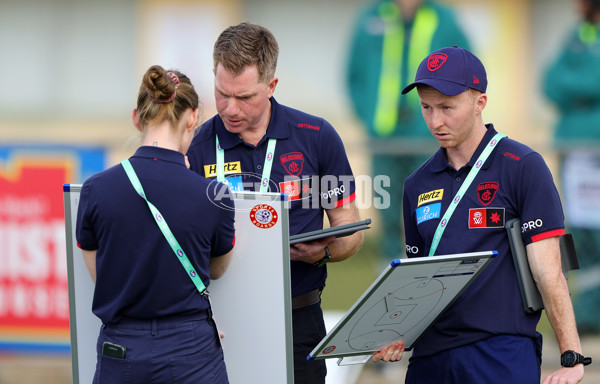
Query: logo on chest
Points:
[486, 218]
[229, 168]
[431, 196]
[487, 191]
[292, 162]
[428, 212]
[297, 189]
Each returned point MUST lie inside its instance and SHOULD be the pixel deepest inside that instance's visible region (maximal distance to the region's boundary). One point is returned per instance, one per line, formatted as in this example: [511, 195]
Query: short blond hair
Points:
[244, 45]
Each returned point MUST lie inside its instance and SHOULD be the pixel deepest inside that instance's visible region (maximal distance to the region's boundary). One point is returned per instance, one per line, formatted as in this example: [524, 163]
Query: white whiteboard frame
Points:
[256, 284]
[399, 274]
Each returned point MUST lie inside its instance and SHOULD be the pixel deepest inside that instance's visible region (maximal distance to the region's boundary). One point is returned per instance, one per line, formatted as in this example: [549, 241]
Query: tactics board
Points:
[408, 296]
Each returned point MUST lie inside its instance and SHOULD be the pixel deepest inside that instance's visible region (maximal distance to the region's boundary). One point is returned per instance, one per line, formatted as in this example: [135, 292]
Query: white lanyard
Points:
[264, 184]
[463, 188]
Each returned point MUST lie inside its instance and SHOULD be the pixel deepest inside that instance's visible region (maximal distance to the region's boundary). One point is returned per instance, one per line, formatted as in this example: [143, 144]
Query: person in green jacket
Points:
[572, 84]
[389, 40]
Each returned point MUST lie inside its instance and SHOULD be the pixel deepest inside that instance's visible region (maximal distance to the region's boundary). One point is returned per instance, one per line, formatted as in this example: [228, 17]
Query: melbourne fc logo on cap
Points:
[487, 191]
[435, 61]
[263, 216]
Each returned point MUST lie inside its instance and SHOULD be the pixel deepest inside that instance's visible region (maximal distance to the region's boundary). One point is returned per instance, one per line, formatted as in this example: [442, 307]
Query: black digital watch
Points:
[571, 358]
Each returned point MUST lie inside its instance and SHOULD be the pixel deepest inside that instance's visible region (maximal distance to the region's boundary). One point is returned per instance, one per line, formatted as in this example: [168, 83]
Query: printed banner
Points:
[34, 302]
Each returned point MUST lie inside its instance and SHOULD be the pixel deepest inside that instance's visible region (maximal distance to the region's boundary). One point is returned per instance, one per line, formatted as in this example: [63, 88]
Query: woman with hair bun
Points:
[152, 236]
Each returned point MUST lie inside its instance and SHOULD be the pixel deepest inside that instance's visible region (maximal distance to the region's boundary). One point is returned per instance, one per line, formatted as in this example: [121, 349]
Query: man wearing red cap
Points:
[485, 179]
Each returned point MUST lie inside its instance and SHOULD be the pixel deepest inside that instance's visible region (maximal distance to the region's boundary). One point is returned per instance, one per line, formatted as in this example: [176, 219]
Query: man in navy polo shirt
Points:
[466, 191]
[257, 144]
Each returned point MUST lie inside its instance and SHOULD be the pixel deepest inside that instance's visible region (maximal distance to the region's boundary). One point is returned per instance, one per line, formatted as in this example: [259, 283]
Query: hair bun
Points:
[161, 86]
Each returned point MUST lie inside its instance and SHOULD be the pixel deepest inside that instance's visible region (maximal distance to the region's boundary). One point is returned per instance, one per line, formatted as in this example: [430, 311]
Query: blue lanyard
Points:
[268, 165]
[164, 228]
[463, 188]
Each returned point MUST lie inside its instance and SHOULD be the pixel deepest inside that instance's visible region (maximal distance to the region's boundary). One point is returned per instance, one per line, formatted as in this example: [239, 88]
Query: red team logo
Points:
[487, 191]
[435, 61]
[293, 163]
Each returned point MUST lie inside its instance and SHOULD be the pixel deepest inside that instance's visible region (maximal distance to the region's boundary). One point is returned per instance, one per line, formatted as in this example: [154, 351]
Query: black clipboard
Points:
[530, 296]
[339, 231]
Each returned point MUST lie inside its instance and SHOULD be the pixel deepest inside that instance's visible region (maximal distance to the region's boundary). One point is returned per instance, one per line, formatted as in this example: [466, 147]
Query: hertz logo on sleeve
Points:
[233, 167]
[430, 196]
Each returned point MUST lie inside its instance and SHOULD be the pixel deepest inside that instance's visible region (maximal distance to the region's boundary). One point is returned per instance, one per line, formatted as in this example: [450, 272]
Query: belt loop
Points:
[154, 327]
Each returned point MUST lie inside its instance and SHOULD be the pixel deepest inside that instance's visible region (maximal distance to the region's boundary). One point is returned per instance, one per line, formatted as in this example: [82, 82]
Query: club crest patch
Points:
[436, 61]
[292, 162]
[487, 191]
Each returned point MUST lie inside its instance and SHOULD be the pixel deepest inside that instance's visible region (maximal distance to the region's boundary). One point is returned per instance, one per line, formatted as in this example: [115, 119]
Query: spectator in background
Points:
[390, 39]
[572, 84]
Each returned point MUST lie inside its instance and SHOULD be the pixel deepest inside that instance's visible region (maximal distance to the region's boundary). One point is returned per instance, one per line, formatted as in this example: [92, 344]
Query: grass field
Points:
[349, 279]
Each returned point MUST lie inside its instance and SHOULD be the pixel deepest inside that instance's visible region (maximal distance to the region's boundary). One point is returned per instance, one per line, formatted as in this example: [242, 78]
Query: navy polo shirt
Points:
[138, 274]
[514, 182]
[310, 165]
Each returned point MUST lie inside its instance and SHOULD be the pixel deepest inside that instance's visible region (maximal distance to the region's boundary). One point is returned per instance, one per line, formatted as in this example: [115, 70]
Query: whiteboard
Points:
[408, 296]
[251, 302]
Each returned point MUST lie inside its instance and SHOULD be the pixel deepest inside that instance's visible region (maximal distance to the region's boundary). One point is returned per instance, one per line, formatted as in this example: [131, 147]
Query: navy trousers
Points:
[308, 330]
[499, 359]
[178, 349]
